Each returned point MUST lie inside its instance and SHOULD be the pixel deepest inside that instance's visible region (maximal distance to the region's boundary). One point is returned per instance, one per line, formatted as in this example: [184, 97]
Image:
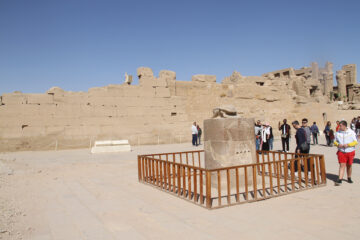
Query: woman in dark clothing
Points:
[327, 132]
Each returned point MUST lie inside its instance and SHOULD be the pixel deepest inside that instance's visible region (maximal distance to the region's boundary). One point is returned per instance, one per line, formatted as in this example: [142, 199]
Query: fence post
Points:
[322, 169]
[208, 189]
[139, 168]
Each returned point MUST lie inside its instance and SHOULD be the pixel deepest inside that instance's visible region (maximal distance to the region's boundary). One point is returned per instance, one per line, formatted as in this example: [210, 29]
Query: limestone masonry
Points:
[161, 109]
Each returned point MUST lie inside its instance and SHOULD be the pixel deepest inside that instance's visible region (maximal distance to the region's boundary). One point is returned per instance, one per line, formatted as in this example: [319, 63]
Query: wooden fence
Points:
[275, 174]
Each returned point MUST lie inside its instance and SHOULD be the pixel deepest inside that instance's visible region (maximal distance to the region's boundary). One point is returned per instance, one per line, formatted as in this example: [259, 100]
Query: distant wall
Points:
[159, 110]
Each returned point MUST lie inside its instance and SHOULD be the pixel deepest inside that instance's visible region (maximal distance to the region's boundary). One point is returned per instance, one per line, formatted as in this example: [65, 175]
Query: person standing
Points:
[304, 125]
[357, 126]
[301, 144]
[337, 126]
[199, 135]
[315, 131]
[265, 135]
[345, 140]
[271, 139]
[327, 132]
[352, 124]
[285, 135]
[194, 134]
[258, 134]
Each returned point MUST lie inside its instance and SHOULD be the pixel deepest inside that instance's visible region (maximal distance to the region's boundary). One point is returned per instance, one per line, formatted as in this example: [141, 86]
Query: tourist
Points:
[285, 135]
[345, 140]
[304, 125]
[199, 134]
[194, 134]
[315, 131]
[258, 135]
[357, 126]
[265, 135]
[353, 124]
[327, 132]
[337, 126]
[271, 139]
[302, 145]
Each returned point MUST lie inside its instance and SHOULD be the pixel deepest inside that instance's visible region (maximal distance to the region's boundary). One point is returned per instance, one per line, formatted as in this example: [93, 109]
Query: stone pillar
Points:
[328, 79]
[229, 142]
[341, 83]
[315, 71]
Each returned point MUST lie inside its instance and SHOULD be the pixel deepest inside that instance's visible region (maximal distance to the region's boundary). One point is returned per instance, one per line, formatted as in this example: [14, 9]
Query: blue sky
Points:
[79, 44]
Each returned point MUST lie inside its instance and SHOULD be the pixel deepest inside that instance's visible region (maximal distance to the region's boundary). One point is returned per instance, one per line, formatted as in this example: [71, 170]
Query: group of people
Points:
[344, 139]
[264, 136]
[196, 134]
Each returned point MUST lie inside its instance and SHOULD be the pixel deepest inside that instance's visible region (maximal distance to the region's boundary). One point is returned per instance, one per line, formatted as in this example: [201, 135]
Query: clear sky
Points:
[79, 44]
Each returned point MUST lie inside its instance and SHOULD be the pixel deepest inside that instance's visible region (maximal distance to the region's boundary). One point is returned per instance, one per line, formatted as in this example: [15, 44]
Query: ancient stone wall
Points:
[158, 110]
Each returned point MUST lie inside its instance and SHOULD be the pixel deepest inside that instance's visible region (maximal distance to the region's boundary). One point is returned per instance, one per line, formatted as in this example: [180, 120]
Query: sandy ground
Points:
[75, 195]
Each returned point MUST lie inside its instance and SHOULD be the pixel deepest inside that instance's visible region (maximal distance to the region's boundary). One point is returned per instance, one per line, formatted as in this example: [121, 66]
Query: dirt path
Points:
[75, 195]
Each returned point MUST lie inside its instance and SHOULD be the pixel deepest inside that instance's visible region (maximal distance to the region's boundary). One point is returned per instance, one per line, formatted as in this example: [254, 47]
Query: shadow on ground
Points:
[331, 177]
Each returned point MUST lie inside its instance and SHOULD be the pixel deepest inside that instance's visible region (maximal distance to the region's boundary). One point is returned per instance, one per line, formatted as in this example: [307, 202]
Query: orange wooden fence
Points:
[183, 174]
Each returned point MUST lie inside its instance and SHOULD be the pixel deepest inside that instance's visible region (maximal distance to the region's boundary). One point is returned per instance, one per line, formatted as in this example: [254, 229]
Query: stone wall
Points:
[158, 110]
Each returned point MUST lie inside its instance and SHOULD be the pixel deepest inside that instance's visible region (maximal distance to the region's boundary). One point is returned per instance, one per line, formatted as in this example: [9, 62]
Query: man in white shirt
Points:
[194, 132]
[345, 140]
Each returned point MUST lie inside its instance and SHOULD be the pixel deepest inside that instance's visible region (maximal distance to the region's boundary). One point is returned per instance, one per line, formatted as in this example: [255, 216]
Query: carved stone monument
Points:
[229, 141]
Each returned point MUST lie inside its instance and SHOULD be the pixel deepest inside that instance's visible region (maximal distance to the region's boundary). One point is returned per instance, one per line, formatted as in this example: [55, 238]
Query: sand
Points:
[73, 194]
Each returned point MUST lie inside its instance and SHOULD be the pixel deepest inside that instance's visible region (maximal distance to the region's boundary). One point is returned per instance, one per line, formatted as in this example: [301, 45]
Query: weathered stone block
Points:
[167, 74]
[229, 142]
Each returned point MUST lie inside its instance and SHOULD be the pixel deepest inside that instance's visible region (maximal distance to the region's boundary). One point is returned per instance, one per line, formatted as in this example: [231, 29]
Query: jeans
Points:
[285, 141]
[199, 139]
[315, 138]
[194, 139]
[257, 143]
[302, 167]
[271, 143]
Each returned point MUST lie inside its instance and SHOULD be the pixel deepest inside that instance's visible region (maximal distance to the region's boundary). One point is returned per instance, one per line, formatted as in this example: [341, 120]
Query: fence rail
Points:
[275, 173]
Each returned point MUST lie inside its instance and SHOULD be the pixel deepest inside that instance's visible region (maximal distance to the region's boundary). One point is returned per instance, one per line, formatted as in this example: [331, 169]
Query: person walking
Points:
[285, 135]
[199, 135]
[301, 144]
[194, 134]
[304, 125]
[327, 132]
[345, 140]
[315, 131]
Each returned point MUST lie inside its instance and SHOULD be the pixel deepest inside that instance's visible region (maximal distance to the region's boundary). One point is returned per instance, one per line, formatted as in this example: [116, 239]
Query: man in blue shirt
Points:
[301, 143]
[315, 131]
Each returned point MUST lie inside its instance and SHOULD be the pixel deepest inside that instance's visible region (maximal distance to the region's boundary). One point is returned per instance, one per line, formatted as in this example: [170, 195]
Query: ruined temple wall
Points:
[144, 114]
